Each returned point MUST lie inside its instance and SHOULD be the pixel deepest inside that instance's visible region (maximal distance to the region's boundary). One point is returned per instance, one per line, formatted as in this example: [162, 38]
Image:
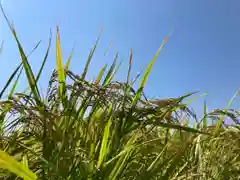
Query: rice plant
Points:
[105, 129]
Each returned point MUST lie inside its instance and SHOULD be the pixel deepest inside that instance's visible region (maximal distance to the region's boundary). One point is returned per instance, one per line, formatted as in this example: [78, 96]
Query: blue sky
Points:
[203, 52]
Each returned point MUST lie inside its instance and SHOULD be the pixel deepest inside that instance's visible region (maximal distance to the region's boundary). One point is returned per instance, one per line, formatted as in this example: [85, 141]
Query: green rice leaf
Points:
[146, 74]
[10, 80]
[100, 75]
[129, 68]
[59, 65]
[69, 59]
[15, 84]
[110, 72]
[104, 144]
[10, 164]
[205, 115]
[45, 59]
[221, 120]
[26, 65]
[90, 57]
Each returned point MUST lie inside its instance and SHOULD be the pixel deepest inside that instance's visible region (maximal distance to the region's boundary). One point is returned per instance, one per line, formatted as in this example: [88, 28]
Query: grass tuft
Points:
[105, 129]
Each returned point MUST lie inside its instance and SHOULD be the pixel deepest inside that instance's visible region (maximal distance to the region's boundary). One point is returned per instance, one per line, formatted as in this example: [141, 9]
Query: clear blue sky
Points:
[203, 52]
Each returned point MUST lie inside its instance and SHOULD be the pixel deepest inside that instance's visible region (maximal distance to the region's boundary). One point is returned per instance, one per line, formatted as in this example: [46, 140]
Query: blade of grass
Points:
[124, 156]
[107, 50]
[90, 57]
[146, 74]
[10, 80]
[59, 64]
[100, 75]
[205, 115]
[25, 161]
[7, 107]
[104, 144]
[43, 64]
[26, 65]
[110, 72]
[36, 46]
[194, 98]
[16, 81]
[15, 84]
[45, 58]
[221, 120]
[129, 67]
[69, 59]
[9, 163]
[157, 158]
[115, 71]
[136, 77]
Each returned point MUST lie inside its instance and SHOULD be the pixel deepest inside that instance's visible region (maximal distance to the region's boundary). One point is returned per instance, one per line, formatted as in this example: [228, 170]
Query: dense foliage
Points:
[104, 129]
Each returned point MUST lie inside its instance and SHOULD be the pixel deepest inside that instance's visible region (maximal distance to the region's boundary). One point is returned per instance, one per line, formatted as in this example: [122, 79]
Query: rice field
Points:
[106, 129]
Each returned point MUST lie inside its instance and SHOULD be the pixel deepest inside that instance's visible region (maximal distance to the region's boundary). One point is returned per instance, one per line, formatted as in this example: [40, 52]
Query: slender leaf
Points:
[27, 67]
[69, 59]
[90, 57]
[145, 76]
[100, 75]
[7, 162]
[59, 64]
[104, 144]
[10, 80]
